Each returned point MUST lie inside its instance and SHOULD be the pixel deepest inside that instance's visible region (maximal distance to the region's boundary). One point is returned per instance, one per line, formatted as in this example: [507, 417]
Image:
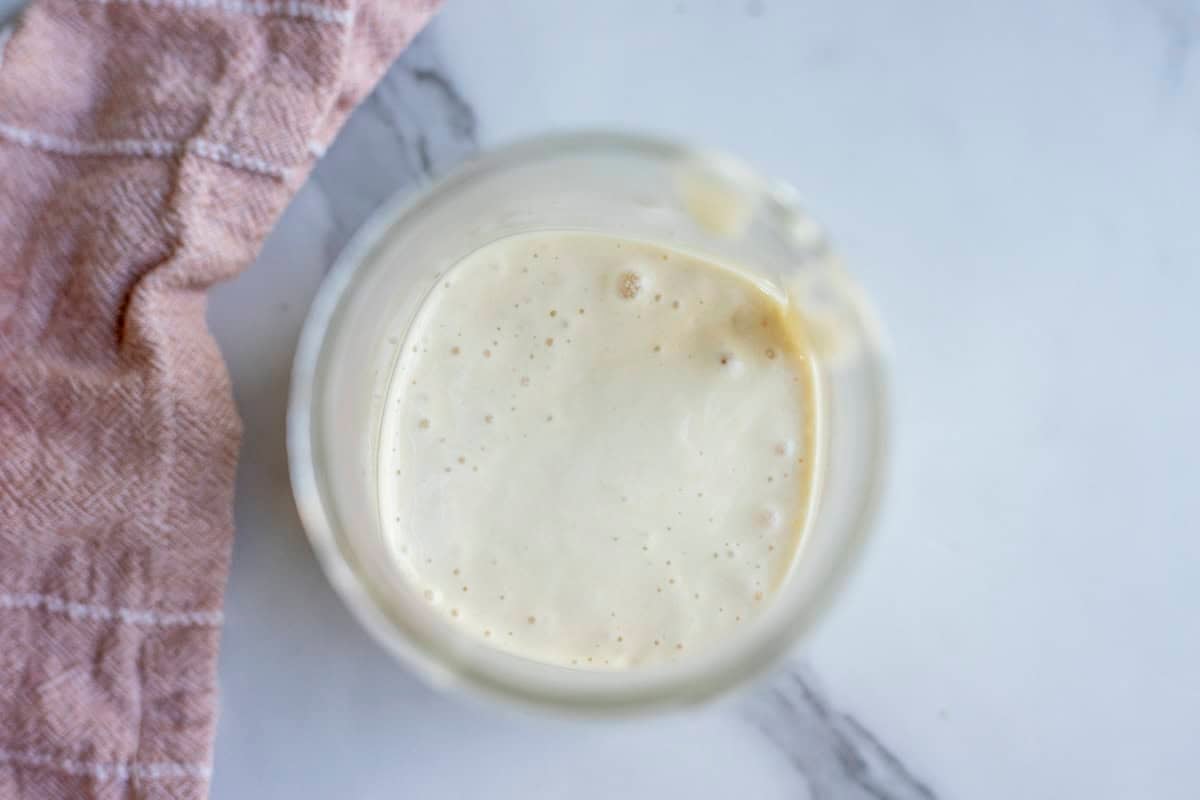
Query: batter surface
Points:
[595, 450]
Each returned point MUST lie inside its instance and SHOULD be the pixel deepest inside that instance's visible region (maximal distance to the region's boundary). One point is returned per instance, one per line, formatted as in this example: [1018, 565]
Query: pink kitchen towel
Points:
[146, 148]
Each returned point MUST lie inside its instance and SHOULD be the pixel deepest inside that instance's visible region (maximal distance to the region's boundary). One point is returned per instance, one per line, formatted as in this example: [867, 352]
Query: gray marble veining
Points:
[833, 753]
[414, 126]
[1179, 23]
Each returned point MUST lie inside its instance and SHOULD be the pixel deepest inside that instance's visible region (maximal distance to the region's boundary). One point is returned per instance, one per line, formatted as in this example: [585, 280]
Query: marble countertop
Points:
[1016, 185]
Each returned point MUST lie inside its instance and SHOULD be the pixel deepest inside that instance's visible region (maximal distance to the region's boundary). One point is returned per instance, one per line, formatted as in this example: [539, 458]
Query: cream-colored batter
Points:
[594, 450]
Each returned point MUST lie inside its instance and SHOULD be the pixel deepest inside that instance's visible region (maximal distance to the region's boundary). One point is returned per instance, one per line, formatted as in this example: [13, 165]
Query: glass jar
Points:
[628, 186]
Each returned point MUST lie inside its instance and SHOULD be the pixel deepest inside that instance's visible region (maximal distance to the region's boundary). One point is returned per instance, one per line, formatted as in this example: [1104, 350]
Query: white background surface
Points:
[1016, 184]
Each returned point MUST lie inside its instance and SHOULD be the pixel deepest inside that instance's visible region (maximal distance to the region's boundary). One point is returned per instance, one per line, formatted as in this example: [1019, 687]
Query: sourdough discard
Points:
[595, 450]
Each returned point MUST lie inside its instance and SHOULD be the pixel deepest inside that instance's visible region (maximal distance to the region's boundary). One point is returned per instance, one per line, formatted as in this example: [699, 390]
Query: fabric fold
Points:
[146, 149]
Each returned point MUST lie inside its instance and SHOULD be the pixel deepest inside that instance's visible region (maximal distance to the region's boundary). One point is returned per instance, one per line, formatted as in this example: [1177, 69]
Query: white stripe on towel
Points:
[106, 771]
[293, 9]
[129, 616]
[152, 148]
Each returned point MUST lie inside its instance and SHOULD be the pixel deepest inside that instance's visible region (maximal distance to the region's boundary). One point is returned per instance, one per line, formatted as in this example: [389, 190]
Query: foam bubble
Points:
[629, 285]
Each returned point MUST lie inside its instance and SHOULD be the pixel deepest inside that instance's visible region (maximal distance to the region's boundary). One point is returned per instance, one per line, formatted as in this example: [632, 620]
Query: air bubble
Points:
[731, 363]
[629, 284]
[767, 517]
